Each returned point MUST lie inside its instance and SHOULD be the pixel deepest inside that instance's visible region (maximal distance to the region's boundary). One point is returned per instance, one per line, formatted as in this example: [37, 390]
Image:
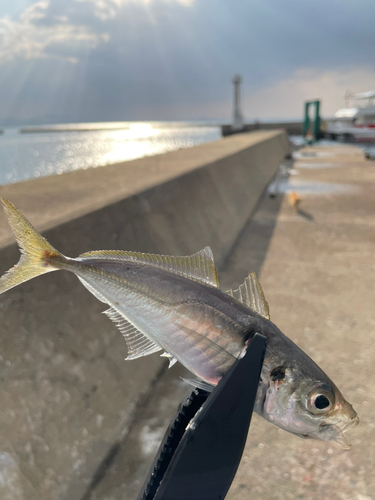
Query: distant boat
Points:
[355, 123]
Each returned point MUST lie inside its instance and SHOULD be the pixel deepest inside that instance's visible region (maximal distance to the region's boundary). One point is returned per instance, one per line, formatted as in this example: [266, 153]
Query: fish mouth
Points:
[334, 432]
[351, 424]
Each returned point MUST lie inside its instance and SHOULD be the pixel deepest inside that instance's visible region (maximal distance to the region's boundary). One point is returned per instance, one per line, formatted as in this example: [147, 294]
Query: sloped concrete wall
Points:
[66, 394]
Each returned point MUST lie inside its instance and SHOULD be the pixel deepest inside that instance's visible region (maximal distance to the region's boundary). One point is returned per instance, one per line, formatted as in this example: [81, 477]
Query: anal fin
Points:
[137, 343]
[172, 360]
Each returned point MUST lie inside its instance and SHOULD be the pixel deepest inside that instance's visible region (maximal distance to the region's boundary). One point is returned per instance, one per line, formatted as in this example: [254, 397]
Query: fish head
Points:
[301, 399]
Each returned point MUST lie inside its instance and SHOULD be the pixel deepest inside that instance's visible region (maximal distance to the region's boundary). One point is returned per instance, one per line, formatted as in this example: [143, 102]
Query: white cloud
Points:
[103, 9]
[286, 98]
[187, 3]
[28, 38]
[106, 9]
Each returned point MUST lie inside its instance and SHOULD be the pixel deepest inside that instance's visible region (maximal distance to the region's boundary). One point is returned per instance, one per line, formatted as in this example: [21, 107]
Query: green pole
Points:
[306, 120]
[317, 121]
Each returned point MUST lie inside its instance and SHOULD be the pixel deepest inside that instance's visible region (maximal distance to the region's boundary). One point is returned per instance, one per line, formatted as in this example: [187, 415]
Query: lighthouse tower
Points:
[237, 116]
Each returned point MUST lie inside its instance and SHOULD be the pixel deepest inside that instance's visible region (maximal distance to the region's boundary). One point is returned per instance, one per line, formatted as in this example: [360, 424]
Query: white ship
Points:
[356, 123]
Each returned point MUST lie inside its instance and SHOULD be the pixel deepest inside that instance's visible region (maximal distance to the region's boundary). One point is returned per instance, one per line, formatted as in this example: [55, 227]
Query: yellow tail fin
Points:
[35, 250]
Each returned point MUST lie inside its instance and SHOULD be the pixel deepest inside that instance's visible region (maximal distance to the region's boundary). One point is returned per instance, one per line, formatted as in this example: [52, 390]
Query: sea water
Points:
[59, 149]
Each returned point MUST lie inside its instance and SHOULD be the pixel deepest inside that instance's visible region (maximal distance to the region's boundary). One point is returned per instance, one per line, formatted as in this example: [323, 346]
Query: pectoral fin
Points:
[200, 384]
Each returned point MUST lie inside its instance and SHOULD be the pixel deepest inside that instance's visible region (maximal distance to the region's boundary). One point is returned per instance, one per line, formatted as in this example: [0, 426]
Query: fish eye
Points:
[320, 401]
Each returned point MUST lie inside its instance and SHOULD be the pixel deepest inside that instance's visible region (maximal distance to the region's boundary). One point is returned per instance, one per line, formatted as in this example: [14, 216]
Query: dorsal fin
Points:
[199, 266]
[251, 294]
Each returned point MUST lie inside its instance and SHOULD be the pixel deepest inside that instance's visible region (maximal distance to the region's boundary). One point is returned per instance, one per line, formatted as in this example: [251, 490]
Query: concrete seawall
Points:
[67, 396]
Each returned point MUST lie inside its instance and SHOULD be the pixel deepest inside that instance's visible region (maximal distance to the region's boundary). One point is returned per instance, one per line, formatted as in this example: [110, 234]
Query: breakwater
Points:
[67, 395]
[291, 128]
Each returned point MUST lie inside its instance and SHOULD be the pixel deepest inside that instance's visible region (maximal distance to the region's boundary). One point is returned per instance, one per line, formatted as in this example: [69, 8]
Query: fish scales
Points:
[174, 304]
[204, 331]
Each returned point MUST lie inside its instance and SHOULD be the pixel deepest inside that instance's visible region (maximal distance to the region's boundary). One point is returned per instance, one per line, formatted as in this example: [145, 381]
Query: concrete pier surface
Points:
[70, 406]
[316, 265]
[318, 276]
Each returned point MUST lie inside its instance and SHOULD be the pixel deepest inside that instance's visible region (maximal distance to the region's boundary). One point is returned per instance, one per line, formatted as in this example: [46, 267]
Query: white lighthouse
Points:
[237, 116]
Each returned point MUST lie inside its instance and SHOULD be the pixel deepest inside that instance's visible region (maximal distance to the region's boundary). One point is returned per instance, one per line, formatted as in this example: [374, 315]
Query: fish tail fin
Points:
[36, 253]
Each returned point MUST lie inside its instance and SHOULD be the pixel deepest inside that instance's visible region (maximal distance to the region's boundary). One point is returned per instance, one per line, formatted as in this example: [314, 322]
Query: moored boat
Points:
[355, 123]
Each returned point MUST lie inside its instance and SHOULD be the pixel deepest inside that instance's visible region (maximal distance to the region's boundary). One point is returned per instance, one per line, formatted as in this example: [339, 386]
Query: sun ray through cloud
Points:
[31, 38]
[170, 59]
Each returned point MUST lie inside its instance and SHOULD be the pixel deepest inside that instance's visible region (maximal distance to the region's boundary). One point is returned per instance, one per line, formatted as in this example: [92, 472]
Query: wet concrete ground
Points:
[317, 269]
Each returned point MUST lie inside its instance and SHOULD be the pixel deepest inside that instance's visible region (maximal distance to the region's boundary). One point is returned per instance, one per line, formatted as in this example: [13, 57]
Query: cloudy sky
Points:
[99, 60]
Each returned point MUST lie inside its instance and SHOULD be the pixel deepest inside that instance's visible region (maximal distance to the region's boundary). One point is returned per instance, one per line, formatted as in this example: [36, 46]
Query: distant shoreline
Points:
[126, 125]
[103, 126]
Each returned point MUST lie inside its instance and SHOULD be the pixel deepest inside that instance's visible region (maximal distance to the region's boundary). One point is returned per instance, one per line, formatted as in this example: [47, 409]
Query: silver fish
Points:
[174, 304]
